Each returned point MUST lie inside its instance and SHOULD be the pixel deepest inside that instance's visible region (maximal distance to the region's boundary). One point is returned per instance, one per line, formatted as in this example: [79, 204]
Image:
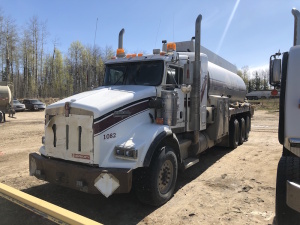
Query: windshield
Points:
[148, 73]
[16, 102]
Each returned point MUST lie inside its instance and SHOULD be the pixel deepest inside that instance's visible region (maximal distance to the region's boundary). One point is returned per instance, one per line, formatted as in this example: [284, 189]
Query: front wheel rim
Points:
[165, 177]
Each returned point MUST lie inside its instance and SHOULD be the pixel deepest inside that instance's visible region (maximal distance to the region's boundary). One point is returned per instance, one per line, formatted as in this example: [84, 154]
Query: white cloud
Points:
[252, 69]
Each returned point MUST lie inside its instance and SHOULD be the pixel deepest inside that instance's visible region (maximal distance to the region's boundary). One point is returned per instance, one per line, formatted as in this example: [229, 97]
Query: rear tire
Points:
[155, 185]
[242, 131]
[288, 169]
[234, 133]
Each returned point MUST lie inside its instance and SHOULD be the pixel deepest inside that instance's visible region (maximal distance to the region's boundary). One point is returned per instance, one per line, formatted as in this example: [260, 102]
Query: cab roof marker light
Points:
[140, 54]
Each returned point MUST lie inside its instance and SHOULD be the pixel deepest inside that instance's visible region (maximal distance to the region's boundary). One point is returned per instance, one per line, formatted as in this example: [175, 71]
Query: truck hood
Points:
[104, 99]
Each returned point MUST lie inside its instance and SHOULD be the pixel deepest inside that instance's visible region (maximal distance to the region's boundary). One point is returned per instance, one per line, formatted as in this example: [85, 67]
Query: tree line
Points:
[257, 82]
[34, 72]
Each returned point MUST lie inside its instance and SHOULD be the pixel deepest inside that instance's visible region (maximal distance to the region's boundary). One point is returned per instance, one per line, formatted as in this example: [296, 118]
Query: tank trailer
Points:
[5, 101]
[153, 117]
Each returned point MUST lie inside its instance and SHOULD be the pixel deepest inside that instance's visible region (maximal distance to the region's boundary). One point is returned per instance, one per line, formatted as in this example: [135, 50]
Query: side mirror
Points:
[275, 71]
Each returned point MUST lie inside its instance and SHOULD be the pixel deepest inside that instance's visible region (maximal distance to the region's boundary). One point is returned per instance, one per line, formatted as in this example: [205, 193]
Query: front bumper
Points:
[293, 195]
[80, 177]
[39, 107]
[19, 108]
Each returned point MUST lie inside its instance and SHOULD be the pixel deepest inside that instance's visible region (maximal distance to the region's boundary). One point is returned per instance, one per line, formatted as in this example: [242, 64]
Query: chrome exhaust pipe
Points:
[195, 93]
[296, 14]
[121, 38]
[120, 50]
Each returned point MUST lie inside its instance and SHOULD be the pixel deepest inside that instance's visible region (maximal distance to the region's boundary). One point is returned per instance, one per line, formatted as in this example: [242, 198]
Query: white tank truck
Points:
[5, 101]
[284, 74]
[154, 115]
[255, 95]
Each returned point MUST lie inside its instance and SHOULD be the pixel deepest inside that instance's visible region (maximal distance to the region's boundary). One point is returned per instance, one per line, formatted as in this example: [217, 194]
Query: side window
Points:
[180, 75]
[175, 75]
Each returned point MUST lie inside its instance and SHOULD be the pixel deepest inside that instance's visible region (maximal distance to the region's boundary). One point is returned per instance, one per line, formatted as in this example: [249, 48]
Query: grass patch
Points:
[270, 105]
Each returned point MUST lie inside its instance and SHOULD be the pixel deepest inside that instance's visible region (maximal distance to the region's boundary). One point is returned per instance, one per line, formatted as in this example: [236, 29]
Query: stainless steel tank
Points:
[223, 82]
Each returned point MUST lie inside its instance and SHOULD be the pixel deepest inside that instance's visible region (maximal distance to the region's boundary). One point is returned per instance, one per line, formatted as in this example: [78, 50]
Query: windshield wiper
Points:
[123, 75]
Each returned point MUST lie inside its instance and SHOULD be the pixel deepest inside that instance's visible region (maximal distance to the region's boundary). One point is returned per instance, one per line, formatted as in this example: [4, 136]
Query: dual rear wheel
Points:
[239, 131]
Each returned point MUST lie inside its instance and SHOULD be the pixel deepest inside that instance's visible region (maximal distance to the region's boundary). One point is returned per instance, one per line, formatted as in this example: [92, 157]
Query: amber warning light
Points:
[120, 52]
[171, 47]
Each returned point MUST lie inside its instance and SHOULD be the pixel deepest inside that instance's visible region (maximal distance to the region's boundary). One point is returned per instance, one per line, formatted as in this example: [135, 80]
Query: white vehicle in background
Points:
[284, 74]
[255, 95]
[154, 115]
[18, 106]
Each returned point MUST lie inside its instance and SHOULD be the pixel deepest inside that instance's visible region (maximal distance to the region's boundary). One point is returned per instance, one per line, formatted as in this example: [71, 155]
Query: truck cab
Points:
[153, 116]
[284, 74]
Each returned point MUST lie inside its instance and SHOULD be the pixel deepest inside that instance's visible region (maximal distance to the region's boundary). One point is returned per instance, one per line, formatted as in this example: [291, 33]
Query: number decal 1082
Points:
[109, 136]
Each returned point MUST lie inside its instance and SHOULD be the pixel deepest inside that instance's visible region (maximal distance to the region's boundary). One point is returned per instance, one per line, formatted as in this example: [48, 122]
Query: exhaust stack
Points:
[120, 50]
[195, 93]
[296, 14]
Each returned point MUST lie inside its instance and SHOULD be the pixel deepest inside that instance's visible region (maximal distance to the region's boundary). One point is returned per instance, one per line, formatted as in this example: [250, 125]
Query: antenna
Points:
[173, 27]
[95, 31]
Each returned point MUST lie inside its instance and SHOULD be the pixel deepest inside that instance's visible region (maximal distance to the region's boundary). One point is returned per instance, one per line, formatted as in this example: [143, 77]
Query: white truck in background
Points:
[285, 74]
[266, 94]
[154, 115]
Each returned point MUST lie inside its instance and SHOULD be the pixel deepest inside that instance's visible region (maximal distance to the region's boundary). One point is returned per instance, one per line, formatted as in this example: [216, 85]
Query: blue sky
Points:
[258, 28]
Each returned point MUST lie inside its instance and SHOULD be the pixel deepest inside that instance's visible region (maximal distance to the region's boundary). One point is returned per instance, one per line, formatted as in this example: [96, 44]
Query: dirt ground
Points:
[225, 187]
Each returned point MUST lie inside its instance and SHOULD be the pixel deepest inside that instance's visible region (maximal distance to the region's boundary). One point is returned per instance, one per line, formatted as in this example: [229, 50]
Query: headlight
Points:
[125, 153]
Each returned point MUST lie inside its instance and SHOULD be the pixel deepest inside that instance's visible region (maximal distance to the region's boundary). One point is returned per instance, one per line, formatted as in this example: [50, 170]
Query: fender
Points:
[158, 139]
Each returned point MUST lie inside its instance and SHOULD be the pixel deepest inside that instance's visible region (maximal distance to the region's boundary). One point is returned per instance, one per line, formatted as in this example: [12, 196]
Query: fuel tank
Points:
[226, 83]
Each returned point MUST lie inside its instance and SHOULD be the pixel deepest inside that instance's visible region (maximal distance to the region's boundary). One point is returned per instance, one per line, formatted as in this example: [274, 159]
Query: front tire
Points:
[157, 185]
[288, 169]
